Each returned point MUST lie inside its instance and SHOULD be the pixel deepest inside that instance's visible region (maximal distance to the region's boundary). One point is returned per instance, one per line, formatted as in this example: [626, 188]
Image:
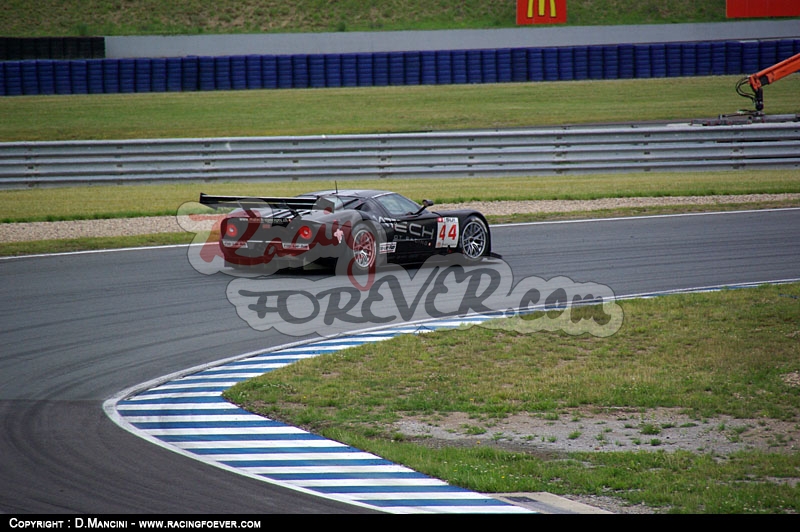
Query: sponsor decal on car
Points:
[388, 247]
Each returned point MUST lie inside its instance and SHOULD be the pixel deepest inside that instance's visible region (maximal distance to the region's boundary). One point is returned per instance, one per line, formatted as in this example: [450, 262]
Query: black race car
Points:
[358, 230]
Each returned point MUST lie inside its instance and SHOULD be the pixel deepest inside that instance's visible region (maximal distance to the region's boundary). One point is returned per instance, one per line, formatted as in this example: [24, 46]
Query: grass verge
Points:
[154, 17]
[711, 354]
[68, 245]
[124, 201]
[378, 109]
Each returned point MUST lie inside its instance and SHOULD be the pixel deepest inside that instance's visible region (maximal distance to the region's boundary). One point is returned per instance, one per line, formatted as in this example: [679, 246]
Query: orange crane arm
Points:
[765, 77]
[775, 72]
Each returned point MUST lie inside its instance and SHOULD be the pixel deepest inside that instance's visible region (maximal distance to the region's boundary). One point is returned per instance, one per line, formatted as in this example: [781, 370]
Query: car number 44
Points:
[447, 234]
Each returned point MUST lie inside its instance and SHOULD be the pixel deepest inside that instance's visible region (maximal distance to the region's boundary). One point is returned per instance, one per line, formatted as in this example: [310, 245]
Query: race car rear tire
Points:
[474, 239]
[362, 252]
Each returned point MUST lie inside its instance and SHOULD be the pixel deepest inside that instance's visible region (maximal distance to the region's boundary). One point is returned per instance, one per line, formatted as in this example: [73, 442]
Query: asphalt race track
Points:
[79, 328]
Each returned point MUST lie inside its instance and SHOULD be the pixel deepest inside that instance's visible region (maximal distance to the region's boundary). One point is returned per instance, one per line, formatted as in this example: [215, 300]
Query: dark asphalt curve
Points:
[77, 329]
[660, 253]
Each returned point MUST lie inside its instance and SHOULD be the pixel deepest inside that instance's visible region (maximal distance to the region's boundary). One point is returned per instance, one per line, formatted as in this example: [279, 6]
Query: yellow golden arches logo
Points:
[541, 8]
[541, 11]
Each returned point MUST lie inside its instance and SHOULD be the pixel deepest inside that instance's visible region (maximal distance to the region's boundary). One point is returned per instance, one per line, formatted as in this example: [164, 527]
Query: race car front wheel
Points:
[474, 238]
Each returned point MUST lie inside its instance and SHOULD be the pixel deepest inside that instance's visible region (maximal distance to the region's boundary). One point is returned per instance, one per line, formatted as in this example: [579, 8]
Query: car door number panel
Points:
[447, 232]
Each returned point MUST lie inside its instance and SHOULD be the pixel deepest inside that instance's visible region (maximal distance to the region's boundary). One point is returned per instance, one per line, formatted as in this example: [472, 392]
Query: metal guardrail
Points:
[487, 153]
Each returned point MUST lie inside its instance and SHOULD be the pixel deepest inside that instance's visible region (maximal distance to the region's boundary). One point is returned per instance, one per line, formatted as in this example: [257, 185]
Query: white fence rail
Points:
[486, 153]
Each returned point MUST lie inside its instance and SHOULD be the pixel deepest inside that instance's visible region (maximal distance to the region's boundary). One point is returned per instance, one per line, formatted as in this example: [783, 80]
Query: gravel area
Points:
[552, 206]
[21, 232]
[27, 232]
[609, 430]
[612, 429]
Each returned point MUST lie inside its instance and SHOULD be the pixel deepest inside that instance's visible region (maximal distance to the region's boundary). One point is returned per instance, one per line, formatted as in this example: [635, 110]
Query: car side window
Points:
[369, 207]
[397, 205]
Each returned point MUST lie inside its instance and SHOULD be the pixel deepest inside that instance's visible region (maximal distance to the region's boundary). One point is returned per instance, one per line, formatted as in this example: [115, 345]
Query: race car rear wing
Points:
[294, 204]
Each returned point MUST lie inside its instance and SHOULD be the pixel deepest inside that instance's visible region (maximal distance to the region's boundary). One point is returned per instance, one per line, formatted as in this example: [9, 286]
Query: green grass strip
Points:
[707, 354]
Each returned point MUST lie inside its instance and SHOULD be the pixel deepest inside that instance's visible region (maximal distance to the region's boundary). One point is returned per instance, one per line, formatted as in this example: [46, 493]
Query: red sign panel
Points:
[762, 8]
[541, 11]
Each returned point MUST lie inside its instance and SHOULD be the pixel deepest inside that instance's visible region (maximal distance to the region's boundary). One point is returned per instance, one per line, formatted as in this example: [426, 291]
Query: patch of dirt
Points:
[584, 430]
[618, 429]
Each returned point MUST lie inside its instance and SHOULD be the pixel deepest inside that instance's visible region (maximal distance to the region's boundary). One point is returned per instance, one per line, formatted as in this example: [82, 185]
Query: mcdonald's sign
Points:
[541, 12]
[762, 8]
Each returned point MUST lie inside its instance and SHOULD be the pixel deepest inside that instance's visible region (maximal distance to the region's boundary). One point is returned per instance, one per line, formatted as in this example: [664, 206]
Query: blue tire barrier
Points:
[300, 71]
[174, 76]
[412, 65]
[253, 72]
[625, 58]
[504, 66]
[474, 67]
[349, 68]
[2, 79]
[285, 76]
[785, 49]
[142, 75]
[127, 75]
[566, 64]
[269, 72]
[45, 71]
[750, 56]
[488, 66]
[704, 62]
[333, 70]
[767, 54]
[674, 55]
[550, 64]
[427, 65]
[316, 71]
[580, 62]
[190, 74]
[380, 69]
[519, 65]
[397, 68]
[459, 67]
[110, 76]
[733, 58]
[205, 73]
[535, 64]
[610, 62]
[596, 62]
[81, 76]
[238, 72]
[444, 68]
[688, 59]
[642, 62]
[94, 76]
[158, 74]
[718, 62]
[222, 73]
[30, 81]
[78, 77]
[365, 70]
[658, 61]
[13, 75]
